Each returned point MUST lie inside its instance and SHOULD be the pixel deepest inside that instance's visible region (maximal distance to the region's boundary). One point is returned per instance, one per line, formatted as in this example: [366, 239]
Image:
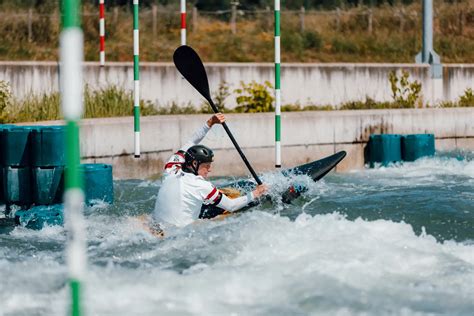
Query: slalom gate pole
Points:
[277, 87]
[183, 22]
[71, 56]
[136, 80]
[102, 32]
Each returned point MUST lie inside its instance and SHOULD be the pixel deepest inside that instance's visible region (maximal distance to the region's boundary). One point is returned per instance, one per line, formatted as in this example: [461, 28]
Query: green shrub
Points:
[175, 109]
[447, 104]
[6, 99]
[368, 104]
[405, 93]
[291, 108]
[344, 46]
[312, 40]
[219, 97]
[113, 101]
[297, 108]
[108, 102]
[293, 41]
[254, 97]
[232, 48]
[42, 107]
[467, 100]
[105, 101]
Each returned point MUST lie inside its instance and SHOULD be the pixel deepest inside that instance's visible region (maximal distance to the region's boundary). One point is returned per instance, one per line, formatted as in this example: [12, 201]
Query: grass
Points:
[114, 102]
[109, 102]
[323, 39]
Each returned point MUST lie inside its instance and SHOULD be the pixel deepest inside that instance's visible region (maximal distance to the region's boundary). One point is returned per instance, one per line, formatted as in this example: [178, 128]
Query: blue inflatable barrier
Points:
[16, 185]
[384, 149]
[2, 199]
[47, 185]
[48, 146]
[32, 160]
[2, 194]
[98, 183]
[40, 216]
[2, 127]
[3, 148]
[417, 145]
[15, 145]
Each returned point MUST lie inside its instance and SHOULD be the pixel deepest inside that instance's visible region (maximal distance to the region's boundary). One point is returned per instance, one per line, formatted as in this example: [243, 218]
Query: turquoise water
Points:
[395, 240]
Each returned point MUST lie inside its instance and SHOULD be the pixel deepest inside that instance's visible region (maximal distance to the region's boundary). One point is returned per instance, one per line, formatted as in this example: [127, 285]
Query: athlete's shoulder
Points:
[175, 162]
[197, 181]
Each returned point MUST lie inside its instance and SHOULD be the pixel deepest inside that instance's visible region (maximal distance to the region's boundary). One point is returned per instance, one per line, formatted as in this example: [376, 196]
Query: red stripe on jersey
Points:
[171, 164]
[211, 194]
[180, 153]
[217, 197]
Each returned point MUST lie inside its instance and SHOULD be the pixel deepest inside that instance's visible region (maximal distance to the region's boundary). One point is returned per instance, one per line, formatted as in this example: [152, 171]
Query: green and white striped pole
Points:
[136, 80]
[277, 87]
[71, 55]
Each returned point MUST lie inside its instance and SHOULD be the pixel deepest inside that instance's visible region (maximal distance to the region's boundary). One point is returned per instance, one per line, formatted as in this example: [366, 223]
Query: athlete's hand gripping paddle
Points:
[191, 67]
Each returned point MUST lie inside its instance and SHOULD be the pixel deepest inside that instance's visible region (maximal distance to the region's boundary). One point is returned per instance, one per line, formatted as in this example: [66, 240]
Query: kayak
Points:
[316, 170]
[38, 216]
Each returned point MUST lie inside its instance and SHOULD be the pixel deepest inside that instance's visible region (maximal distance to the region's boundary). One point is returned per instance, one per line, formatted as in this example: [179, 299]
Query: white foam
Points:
[260, 263]
[257, 263]
[48, 233]
[429, 166]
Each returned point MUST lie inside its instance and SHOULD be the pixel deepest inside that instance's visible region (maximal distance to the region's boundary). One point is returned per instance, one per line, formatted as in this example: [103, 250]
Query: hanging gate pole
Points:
[277, 87]
[71, 55]
[136, 80]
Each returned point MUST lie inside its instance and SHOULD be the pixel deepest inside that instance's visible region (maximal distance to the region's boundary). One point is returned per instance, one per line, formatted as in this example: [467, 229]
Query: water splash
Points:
[394, 240]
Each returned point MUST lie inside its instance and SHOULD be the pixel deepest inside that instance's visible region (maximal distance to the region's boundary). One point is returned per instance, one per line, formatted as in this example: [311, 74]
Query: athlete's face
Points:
[204, 169]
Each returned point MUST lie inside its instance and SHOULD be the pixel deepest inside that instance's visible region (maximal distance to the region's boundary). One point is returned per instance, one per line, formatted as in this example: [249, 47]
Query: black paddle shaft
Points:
[232, 139]
[189, 64]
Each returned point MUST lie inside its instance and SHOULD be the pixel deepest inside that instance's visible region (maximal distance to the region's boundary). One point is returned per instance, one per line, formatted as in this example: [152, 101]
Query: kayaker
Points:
[185, 188]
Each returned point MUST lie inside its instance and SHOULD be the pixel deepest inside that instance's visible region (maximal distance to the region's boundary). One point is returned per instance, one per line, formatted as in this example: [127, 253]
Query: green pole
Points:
[71, 55]
[136, 80]
[277, 87]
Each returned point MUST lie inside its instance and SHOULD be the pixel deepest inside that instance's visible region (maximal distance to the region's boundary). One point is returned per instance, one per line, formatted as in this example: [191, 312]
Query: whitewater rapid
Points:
[387, 241]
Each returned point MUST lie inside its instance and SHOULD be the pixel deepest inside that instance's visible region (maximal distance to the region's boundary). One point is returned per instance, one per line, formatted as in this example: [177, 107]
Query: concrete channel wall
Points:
[306, 136]
[320, 84]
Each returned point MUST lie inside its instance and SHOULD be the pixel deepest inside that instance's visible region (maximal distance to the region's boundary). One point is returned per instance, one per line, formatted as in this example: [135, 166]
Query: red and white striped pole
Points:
[102, 32]
[183, 22]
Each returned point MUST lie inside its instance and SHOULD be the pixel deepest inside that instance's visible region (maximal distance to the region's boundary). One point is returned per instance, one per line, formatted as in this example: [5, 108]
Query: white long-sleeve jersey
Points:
[182, 194]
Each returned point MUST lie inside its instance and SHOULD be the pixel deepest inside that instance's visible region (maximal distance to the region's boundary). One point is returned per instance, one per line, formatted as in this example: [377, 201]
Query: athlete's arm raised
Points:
[177, 159]
[199, 135]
